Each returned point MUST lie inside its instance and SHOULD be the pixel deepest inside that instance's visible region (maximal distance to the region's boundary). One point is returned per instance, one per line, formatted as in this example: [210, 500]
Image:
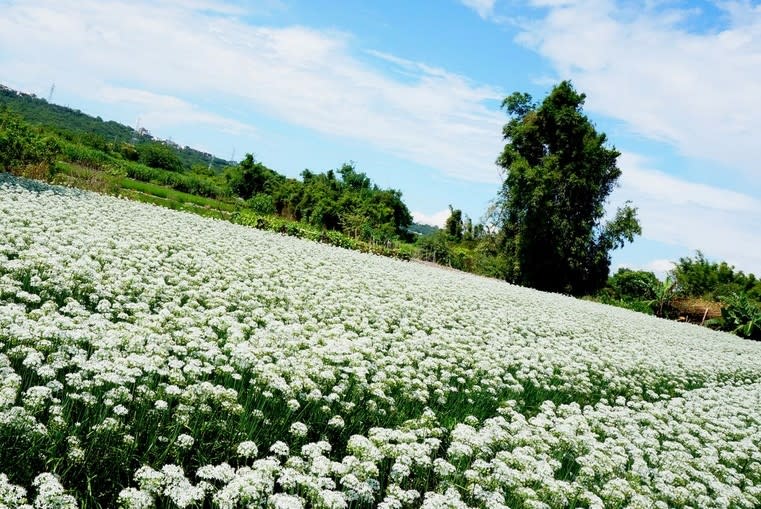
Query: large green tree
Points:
[453, 226]
[558, 175]
[251, 177]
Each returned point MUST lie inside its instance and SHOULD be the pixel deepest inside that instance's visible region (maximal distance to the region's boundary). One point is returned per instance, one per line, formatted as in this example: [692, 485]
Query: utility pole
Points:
[50, 94]
[137, 131]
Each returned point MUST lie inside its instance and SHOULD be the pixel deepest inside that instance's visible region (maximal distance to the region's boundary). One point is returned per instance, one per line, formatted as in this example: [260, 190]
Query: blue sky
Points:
[410, 91]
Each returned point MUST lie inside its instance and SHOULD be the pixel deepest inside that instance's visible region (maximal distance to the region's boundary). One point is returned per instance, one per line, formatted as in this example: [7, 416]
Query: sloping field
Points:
[155, 358]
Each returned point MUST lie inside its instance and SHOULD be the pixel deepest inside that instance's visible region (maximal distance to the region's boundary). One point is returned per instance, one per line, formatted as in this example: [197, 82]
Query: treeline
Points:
[464, 245]
[344, 200]
[696, 290]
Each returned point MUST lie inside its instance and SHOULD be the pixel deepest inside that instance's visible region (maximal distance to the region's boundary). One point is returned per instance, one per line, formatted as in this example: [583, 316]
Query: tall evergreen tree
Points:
[559, 173]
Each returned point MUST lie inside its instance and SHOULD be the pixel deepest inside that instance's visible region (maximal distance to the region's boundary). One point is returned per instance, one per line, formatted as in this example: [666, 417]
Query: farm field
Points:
[154, 358]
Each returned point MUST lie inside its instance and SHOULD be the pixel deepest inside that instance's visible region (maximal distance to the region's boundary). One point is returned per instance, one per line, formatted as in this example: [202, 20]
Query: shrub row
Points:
[191, 184]
[304, 231]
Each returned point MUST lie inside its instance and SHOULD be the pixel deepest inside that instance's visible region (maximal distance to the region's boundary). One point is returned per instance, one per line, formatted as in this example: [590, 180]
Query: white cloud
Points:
[678, 192]
[436, 219]
[643, 64]
[659, 267]
[721, 223]
[484, 8]
[158, 110]
[201, 53]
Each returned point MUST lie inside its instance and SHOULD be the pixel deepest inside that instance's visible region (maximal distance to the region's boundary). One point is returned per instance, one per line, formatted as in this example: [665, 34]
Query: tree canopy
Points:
[454, 225]
[343, 200]
[699, 277]
[558, 175]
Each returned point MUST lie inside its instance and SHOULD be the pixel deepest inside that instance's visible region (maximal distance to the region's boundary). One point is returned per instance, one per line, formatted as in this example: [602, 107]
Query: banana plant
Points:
[664, 294]
[740, 315]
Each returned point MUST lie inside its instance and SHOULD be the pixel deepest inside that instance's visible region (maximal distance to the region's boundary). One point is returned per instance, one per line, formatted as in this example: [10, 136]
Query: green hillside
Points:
[94, 130]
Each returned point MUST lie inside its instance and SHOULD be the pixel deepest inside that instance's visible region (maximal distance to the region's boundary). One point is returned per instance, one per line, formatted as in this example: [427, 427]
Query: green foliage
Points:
[186, 183]
[559, 173]
[454, 225]
[87, 156]
[633, 284]
[251, 177]
[435, 248]
[261, 204]
[202, 169]
[344, 200]
[740, 315]
[158, 155]
[479, 256]
[698, 277]
[129, 152]
[21, 146]
[94, 132]
[638, 290]
[641, 291]
[173, 195]
[663, 299]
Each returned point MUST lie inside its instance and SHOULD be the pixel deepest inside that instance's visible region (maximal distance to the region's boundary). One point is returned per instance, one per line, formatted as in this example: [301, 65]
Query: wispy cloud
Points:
[720, 222]
[484, 8]
[201, 53]
[650, 67]
[159, 110]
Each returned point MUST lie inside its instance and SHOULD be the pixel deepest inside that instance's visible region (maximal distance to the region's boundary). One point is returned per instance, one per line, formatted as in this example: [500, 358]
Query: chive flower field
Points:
[151, 358]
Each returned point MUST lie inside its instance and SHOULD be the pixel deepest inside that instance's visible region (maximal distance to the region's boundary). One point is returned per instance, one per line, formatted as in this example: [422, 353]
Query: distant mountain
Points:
[63, 119]
[422, 229]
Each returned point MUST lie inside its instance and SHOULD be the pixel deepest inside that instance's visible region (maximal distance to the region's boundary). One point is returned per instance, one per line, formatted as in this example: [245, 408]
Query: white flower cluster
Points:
[11, 496]
[302, 375]
[51, 494]
[703, 450]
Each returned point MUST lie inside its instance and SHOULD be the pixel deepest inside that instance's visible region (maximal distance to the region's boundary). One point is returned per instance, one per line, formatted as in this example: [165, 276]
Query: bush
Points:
[435, 248]
[158, 155]
[740, 315]
[699, 277]
[633, 284]
[129, 152]
[20, 146]
[191, 184]
[262, 204]
[86, 156]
